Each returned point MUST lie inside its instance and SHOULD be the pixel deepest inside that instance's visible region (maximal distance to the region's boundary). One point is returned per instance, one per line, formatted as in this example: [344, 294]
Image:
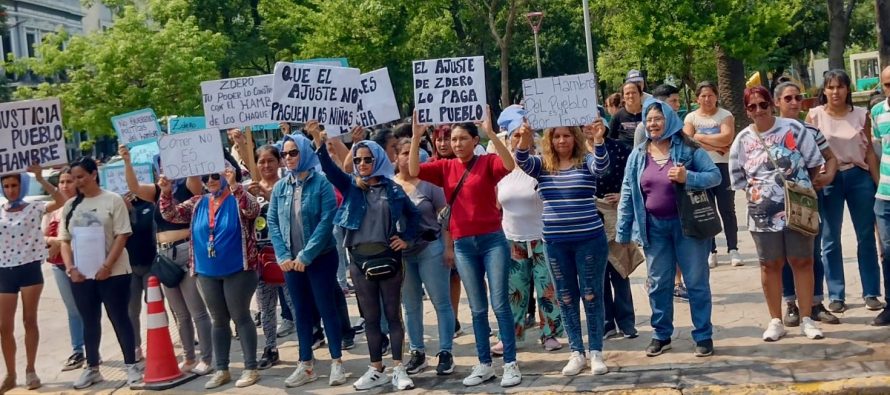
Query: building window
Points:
[31, 41]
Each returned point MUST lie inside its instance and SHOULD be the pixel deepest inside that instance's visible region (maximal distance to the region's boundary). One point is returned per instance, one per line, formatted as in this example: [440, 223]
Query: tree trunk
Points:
[731, 84]
[839, 28]
[882, 13]
[505, 77]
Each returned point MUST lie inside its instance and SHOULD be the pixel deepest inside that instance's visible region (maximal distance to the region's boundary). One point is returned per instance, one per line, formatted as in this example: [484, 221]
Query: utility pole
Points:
[535, 19]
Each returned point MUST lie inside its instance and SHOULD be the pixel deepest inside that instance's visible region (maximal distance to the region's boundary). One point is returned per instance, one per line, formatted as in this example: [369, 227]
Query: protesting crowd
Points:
[533, 228]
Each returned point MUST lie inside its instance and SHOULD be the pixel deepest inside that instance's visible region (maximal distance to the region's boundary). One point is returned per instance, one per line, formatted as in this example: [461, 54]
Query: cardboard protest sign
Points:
[185, 124]
[114, 177]
[191, 154]
[560, 101]
[136, 127]
[329, 95]
[144, 153]
[237, 102]
[377, 103]
[449, 90]
[31, 132]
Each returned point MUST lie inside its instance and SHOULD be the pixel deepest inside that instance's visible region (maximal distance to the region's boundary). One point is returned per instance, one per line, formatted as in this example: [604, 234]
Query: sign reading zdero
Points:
[560, 101]
[237, 102]
[31, 132]
[329, 95]
[449, 90]
[191, 154]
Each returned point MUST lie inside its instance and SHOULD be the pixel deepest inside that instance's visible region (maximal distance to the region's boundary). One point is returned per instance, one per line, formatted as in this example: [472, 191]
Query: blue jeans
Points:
[882, 215]
[668, 247]
[855, 187]
[313, 289]
[427, 270]
[788, 292]
[75, 323]
[578, 269]
[477, 257]
[618, 309]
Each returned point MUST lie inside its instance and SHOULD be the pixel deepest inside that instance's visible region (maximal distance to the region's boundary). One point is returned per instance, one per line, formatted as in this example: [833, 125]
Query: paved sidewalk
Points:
[852, 357]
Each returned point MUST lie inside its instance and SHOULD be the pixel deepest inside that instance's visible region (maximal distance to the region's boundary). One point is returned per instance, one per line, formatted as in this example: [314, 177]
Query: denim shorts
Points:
[13, 279]
[772, 246]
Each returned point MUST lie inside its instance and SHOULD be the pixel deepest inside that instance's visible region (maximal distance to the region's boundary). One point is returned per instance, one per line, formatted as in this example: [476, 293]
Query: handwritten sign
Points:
[136, 127]
[191, 154]
[31, 132]
[145, 153]
[449, 90]
[560, 101]
[237, 102]
[185, 124]
[114, 177]
[338, 62]
[377, 103]
[303, 92]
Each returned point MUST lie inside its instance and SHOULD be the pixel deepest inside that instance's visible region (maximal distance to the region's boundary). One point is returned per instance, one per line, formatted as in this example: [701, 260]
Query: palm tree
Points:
[731, 82]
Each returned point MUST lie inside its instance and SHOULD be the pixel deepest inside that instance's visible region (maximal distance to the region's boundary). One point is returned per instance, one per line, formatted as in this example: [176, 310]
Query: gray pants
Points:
[188, 307]
[228, 299]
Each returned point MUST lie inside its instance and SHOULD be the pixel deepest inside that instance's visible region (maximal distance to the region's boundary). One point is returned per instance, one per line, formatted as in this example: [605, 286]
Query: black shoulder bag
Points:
[698, 213]
[445, 214]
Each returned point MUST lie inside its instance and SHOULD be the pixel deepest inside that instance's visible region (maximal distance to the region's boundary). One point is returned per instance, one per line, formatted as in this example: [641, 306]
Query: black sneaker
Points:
[882, 319]
[318, 339]
[457, 331]
[269, 359]
[348, 343]
[385, 347]
[359, 327]
[417, 363]
[681, 293]
[658, 347]
[256, 320]
[704, 348]
[824, 316]
[872, 303]
[446, 363]
[75, 361]
[837, 306]
[792, 314]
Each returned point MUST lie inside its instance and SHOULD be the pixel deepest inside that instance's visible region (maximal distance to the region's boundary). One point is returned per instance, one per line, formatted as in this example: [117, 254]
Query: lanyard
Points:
[214, 205]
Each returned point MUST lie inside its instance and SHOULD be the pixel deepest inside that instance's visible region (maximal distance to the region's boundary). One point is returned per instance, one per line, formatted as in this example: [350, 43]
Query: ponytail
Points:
[77, 200]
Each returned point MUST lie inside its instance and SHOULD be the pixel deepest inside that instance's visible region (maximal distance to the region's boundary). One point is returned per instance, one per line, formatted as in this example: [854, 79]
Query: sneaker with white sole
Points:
[248, 377]
[480, 374]
[337, 377]
[735, 258]
[285, 329]
[400, 379]
[302, 374]
[134, 374]
[774, 331]
[712, 260]
[202, 368]
[371, 379]
[809, 329]
[218, 379]
[577, 363]
[512, 377]
[597, 365]
[89, 377]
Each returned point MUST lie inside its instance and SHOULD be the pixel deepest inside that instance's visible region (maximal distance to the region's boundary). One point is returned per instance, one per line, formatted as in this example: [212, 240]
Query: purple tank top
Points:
[658, 191]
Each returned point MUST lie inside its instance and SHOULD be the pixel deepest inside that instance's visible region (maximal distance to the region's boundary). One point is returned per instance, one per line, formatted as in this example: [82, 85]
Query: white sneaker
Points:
[774, 331]
[302, 374]
[285, 329]
[712, 260]
[248, 377]
[577, 363]
[480, 374]
[809, 329]
[202, 368]
[218, 379]
[735, 258]
[400, 379]
[89, 377]
[337, 377]
[597, 365]
[134, 375]
[512, 376]
[372, 378]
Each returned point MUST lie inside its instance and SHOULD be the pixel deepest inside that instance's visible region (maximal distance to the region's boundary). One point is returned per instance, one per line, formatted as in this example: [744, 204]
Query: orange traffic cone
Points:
[161, 366]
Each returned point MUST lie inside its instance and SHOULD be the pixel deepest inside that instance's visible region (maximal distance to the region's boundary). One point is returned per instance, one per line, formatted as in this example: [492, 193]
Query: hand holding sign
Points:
[595, 132]
[486, 124]
[312, 127]
[417, 130]
[230, 177]
[165, 185]
[124, 153]
[526, 138]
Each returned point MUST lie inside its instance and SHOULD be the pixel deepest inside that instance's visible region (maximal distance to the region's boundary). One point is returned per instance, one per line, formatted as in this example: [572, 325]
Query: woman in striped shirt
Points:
[574, 239]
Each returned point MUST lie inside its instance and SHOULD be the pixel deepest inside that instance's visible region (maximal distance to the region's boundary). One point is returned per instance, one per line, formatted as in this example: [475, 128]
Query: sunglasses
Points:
[753, 107]
[214, 177]
[292, 153]
[366, 159]
[886, 85]
[789, 98]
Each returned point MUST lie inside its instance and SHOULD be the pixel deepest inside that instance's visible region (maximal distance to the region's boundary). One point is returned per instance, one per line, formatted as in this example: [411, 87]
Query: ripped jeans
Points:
[578, 268]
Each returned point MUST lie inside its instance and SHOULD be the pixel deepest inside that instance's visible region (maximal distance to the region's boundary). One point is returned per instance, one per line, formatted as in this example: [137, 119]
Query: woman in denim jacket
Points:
[301, 214]
[648, 214]
[378, 219]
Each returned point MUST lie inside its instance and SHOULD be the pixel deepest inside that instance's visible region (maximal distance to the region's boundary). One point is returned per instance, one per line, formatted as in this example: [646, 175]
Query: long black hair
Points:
[841, 77]
[88, 165]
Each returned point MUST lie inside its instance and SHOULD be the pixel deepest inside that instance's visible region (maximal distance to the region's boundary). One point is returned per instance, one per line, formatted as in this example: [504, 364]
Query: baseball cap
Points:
[634, 76]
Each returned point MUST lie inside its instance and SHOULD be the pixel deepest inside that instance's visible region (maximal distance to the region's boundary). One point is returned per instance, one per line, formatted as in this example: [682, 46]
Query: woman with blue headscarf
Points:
[301, 215]
[379, 219]
[657, 170]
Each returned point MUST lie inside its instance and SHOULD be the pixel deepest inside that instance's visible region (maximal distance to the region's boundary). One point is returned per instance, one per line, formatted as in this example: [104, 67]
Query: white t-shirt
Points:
[108, 211]
[710, 125]
[21, 238]
[523, 209]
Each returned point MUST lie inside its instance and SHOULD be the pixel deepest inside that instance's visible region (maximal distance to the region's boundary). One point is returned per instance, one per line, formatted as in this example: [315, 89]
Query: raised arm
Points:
[58, 198]
[417, 131]
[177, 213]
[145, 192]
[598, 163]
[333, 172]
[499, 146]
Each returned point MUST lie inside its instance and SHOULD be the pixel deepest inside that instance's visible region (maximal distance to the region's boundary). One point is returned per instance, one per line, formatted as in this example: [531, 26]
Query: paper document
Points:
[88, 243]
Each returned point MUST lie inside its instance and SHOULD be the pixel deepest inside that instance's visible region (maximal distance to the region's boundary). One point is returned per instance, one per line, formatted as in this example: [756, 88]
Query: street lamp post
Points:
[535, 19]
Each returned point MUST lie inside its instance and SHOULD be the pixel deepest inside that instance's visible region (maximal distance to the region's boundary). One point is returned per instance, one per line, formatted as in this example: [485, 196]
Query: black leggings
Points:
[726, 207]
[114, 293]
[368, 293]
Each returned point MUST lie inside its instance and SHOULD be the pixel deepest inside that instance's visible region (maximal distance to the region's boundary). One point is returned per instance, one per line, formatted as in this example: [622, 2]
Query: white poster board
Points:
[377, 103]
[134, 128]
[569, 100]
[191, 154]
[31, 132]
[144, 153]
[114, 178]
[329, 95]
[237, 102]
[449, 90]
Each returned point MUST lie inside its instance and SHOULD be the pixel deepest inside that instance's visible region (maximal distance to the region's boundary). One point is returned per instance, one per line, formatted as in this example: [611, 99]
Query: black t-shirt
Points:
[180, 195]
[614, 177]
[623, 127]
[142, 245]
